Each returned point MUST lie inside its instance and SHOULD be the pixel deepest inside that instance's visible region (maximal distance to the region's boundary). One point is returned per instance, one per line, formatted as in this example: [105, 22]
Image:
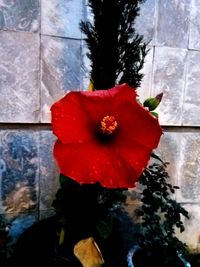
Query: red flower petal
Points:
[75, 115]
[86, 154]
[89, 164]
[136, 156]
[137, 125]
[69, 119]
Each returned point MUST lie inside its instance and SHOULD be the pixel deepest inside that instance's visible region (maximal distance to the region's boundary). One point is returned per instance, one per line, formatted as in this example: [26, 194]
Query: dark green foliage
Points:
[116, 51]
[90, 210]
[159, 211]
[4, 239]
[194, 259]
[90, 204]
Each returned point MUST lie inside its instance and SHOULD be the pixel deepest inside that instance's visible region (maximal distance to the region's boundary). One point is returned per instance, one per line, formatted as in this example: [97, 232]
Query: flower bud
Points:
[152, 102]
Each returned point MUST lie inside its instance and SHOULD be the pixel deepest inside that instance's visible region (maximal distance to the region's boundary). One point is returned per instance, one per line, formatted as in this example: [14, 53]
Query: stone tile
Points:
[62, 18]
[189, 168]
[192, 93]
[19, 74]
[145, 22]
[173, 23]
[18, 171]
[169, 78]
[144, 91]
[20, 15]
[191, 235]
[89, 16]
[194, 33]
[49, 175]
[61, 61]
[182, 151]
[169, 150]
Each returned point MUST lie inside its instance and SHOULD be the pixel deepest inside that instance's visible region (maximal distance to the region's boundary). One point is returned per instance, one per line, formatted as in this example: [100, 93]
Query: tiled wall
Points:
[40, 52]
[43, 56]
[173, 67]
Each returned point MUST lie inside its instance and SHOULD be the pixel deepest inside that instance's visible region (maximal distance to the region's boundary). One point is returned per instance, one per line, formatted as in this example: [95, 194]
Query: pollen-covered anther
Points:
[108, 125]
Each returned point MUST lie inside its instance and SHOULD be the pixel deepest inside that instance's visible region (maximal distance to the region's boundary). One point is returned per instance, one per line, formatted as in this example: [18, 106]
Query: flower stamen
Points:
[108, 125]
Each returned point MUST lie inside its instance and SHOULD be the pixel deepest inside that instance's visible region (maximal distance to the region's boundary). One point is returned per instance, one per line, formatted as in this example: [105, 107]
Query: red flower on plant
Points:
[104, 136]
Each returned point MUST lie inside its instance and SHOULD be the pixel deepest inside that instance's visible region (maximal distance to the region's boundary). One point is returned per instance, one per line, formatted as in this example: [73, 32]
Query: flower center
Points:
[108, 125]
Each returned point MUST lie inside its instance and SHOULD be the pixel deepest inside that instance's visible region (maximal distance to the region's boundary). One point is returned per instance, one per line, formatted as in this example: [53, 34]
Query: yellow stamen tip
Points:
[108, 125]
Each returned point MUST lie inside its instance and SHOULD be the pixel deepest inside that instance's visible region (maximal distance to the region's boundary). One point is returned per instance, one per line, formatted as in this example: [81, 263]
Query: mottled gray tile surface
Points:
[18, 171]
[85, 67]
[61, 61]
[189, 177]
[169, 150]
[49, 175]
[173, 23]
[23, 15]
[144, 91]
[182, 151]
[62, 18]
[194, 36]
[146, 21]
[19, 74]
[191, 235]
[191, 106]
[169, 78]
[89, 16]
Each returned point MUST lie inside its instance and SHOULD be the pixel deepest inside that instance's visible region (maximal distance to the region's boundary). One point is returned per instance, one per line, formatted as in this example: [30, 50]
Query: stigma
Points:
[108, 125]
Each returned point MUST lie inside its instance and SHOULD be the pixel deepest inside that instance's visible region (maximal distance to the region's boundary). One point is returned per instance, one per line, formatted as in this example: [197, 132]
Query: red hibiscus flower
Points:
[104, 136]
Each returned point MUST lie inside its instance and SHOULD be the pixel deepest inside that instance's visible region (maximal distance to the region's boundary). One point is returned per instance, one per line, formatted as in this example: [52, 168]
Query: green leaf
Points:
[155, 114]
[155, 156]
[63, 179]
[105, 227]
